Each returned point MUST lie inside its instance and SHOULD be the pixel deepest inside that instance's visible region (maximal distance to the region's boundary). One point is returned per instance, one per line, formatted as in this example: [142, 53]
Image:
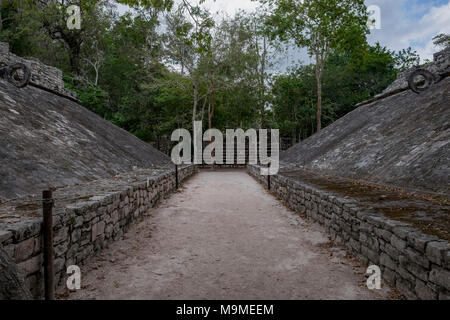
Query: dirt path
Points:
[224, 237]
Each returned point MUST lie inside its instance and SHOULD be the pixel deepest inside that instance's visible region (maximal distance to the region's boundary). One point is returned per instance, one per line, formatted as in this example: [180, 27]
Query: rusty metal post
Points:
[49, 272]
[176, 176]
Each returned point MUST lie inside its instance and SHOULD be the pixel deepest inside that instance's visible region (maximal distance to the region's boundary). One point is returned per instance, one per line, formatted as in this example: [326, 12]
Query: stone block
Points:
[419, 240]
[5, 236]
[386, 261]
[76, 235]
[61, 249]
[398, 243]
[382, 233]
[417, 257]
[31, 265]
[413, 268]
[435, 251]
[440, 277]
[424, 292]
[24, 250]
[60, 235]
[370, 254]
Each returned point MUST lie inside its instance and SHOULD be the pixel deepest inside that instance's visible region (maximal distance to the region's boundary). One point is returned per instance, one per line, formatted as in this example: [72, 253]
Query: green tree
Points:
[442, 40]
[320, 26]
[188, 43]
[407, 58]
[346, 81]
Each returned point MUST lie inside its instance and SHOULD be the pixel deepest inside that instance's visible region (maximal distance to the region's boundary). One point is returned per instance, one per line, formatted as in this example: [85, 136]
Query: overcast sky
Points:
[404, 23]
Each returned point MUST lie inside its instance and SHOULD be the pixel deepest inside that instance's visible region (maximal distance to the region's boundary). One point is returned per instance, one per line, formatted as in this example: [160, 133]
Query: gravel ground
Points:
[224, 237]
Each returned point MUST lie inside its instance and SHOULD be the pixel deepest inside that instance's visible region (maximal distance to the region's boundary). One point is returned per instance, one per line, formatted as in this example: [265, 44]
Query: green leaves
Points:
[442, 40]
[159, 4]
[407, 58]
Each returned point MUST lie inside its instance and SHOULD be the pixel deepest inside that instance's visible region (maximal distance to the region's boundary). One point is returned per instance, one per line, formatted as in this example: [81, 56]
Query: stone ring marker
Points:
[420, 80]
[18, 74]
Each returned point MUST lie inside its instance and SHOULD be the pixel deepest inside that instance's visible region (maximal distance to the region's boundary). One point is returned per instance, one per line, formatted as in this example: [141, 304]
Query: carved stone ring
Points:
[18, 74]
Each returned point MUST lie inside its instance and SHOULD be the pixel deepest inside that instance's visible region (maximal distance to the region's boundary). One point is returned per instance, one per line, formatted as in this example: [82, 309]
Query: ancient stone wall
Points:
[82, 229]
[439, 65]
[41, 75]
[418, 265]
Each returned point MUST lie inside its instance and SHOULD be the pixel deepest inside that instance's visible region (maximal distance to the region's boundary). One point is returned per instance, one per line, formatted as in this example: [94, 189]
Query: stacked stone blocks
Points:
[417, 264]
[84, 228]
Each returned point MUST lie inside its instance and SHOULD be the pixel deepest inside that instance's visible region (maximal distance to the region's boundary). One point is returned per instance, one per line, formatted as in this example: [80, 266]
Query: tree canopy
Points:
[165, 64]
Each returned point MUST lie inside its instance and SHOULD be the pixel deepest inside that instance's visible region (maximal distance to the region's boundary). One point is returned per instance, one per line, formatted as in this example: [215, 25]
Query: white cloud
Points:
[435, 22]
[404, 23]
[403, 28]
[230, 7]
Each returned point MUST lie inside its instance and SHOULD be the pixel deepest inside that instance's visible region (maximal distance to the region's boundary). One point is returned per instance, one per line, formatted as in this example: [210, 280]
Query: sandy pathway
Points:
[224, 237]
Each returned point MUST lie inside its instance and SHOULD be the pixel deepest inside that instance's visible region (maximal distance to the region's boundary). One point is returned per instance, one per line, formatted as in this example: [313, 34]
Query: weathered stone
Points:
[38, 244]
[31, 265]
[4, 236]
[424, 292]
[61, 249]
[405, 274]
[24, 250]
[403, 232]
[115, 216]
[406, 288]
[389, 276]
[418, 240]
[25, 229]
[444, 295]
[370, 254]
[72, 251]
[372, 142]
[355, 245]
[109, 231]
[385, 260]
[12, 284]
[398, 243]
[435, 251]
[75, 236]
[391, 251]
[440, 277]
[417, 257]
[413, 268]
[59, 265]
[447, 259]
[60, 235]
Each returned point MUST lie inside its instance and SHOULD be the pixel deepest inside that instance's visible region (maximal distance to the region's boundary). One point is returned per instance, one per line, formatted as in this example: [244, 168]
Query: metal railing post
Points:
[176, 177]
[49, 272]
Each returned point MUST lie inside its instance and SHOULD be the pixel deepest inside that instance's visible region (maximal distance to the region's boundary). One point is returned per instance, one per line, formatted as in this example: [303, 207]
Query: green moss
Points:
[430, 214]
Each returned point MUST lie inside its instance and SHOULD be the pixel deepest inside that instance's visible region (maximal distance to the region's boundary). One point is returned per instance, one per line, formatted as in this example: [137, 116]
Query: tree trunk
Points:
[319, 69]
[211, 108]
[319, 104]
[12, 286]
[74, 60]
[194, 110]
[293, 136]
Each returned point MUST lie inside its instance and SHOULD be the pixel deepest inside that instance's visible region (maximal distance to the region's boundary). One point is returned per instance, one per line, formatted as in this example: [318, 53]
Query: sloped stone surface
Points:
[402, 140]
[49, 141]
